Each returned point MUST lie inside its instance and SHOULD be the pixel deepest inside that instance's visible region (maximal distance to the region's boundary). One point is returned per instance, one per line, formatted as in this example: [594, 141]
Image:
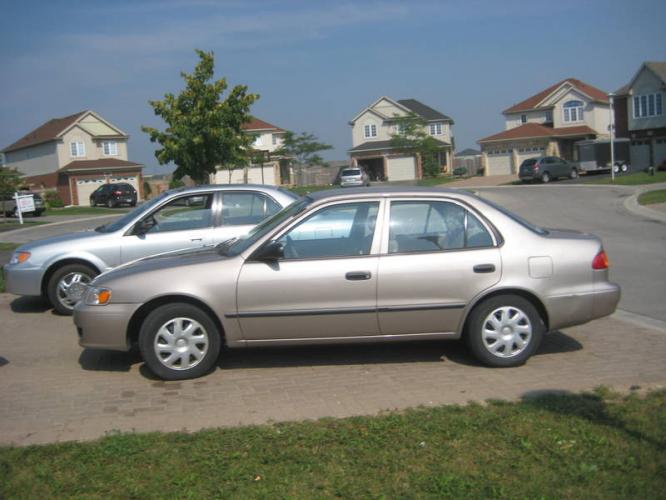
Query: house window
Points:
[110, 148]
[258, 141]
[523, 118]
[647, 105]
[77, 149]
[549, 116]
[274, 139]
[370, 130]
[573, 111]
[435, 129]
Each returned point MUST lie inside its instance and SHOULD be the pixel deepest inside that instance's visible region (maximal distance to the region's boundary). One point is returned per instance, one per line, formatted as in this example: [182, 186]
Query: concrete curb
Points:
[639, 320]
[632, 205]
[52, 224]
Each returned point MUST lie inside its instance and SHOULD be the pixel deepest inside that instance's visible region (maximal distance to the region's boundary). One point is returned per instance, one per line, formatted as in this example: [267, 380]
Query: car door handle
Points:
[196, 239]
[358, 275]
[484, 268]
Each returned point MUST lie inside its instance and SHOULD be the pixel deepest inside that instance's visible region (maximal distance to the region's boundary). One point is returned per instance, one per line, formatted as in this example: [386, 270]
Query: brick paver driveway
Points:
[51, 390]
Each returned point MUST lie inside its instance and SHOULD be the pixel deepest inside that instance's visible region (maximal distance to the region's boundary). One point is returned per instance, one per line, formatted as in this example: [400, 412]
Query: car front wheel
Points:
[179, 341]
[574, 173]
[545, 177]
[504, 331]
[67, 285]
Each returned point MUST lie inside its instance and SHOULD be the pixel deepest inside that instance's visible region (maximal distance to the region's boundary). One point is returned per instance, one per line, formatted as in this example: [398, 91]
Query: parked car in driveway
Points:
[354, 177]
[546, 169]
[114, 195]
[8, 205]
[355, 265]
[58, 268]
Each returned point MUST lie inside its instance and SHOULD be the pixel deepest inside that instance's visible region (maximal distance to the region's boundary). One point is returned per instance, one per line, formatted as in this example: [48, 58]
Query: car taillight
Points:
[536, 168]
[600, 261]
[118, 192]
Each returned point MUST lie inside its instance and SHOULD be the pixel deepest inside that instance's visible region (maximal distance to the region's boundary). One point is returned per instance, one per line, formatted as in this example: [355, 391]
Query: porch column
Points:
[449, 161]
[484, 163]
[385, 167]
[514, 161]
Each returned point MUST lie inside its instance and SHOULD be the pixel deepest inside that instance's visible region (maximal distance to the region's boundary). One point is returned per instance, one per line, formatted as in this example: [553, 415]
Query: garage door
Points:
[254, 175]
[640, 155]
[85, 187]
[401, 169]
[499, 163]
[130, 179]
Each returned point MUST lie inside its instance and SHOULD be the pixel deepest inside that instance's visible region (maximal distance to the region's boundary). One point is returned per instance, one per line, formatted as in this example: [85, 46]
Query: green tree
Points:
[10, 181]
[203, 130]
[414, 139]
[302, 149]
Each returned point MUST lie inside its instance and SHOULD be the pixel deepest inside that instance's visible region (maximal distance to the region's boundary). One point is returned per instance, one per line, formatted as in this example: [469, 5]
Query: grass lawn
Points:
[629, 180]
[651, 197]
[560, 446]
[86, 211]
[436, 181]
[303, 190]
[11, 224]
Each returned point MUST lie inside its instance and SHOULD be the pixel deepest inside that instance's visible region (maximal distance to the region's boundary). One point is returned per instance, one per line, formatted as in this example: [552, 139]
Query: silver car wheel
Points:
[71, 288]
[181, 343]
[507, 332]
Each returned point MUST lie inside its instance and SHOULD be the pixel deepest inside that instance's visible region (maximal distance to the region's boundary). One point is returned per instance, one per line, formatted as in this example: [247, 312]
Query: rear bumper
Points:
[21, 279]
[579, 308]
[104, 327]
[350, 183]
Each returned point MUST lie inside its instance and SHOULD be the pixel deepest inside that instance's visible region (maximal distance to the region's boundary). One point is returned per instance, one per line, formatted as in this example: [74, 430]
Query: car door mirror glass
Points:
[144, 226]
[271, 252]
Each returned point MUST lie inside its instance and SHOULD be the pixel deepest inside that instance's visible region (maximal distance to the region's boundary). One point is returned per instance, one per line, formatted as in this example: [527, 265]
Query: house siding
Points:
[35, 160]
[646, 83]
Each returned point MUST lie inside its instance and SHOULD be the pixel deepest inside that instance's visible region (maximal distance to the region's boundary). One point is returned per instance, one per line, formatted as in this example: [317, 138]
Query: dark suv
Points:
[113, 195]
[546, 169]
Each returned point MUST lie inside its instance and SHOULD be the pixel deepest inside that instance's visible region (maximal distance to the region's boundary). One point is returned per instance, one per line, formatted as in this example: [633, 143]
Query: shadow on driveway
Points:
[30, 304]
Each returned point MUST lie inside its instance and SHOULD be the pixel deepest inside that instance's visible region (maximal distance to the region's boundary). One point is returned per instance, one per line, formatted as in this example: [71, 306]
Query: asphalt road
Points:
[635, 245]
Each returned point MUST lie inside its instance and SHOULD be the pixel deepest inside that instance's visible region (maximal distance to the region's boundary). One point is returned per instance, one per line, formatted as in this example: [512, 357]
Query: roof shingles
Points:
[532, 102]
[534, 130]
[44, 133]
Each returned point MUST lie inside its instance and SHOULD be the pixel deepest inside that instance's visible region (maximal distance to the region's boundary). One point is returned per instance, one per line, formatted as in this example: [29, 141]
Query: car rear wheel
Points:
[67, 285]
[545, 177]
[179, 341]
[573, 174]
[504, 331]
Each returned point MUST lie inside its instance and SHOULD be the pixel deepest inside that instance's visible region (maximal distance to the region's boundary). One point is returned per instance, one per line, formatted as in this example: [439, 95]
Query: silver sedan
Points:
[59, 268]
[357, 265]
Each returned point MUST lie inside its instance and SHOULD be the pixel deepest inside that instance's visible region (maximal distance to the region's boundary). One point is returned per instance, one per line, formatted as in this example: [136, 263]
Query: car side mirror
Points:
[144, 226]
[271, 252]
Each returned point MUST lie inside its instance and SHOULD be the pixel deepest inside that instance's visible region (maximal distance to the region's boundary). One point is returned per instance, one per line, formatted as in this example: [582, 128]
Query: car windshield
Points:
[130, 216]
[351, 172]
[532, 227]
[235, 246]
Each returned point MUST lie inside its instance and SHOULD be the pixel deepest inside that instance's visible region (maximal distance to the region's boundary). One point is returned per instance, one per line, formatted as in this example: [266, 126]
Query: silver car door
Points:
[182, 223]
[324, 287]
[437, 257]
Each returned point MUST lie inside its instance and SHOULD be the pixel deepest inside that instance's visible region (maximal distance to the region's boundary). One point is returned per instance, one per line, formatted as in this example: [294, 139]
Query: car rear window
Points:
[351, 171]
[529, 162]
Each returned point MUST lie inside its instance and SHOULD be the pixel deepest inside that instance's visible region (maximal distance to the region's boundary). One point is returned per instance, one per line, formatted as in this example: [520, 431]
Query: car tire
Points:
[92, 202]
[545, 177]
[573, 174]
[167, 348]
[110, 203]
[38, 213]
[504, 331]
[58, 287]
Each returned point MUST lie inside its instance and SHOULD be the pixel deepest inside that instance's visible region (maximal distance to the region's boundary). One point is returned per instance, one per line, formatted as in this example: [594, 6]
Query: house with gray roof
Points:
[641, 117]
[373, 128]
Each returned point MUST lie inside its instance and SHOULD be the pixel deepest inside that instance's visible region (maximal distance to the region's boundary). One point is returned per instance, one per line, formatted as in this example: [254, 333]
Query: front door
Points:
[439, 257]
[183, 223]
[326, 284]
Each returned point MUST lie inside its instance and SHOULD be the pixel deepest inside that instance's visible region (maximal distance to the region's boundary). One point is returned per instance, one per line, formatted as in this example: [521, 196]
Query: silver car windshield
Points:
[131, 215]
[236, 246]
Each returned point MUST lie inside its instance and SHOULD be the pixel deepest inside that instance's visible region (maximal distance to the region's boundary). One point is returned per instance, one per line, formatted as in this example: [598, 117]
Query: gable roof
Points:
[535, 130]
[385, 145]
[532, 102]
[102, 163]
[425, 112]
[44, 133]
[657, 67]
[257, 124]
[469, 152]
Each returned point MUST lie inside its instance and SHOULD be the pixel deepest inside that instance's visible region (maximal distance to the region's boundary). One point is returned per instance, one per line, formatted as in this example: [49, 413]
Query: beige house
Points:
[267, 139]
[74, 155]
[640, 115]
[548, 123]
[373, 127]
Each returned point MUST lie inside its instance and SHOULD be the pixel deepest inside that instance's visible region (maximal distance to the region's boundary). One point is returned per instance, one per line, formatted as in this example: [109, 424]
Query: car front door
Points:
[437, 257]
[241, 211]
[324, 287]
[185, 222]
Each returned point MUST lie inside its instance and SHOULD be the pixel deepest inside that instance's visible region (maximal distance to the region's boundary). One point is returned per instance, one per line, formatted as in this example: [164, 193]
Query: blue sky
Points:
[315, 64]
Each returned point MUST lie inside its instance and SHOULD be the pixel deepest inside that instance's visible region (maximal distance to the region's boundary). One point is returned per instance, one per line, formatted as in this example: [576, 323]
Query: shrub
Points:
[53, 200]
[460, 171]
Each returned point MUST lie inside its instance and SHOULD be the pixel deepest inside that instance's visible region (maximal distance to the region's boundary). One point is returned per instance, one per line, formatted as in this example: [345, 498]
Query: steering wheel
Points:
[290, 249]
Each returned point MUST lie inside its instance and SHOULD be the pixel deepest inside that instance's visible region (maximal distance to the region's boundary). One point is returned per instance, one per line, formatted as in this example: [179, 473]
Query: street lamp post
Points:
[612, 135]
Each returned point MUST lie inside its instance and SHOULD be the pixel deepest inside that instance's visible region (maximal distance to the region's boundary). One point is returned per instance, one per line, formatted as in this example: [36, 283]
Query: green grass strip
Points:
[559, 446]
[652, 197]
[629, 180]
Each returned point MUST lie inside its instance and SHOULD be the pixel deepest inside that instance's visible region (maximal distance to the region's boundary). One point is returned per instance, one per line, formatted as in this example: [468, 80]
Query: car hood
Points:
[78, 239]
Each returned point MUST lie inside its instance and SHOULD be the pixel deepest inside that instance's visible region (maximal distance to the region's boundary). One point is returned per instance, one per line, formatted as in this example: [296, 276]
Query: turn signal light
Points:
[600, 261]
[19, 257]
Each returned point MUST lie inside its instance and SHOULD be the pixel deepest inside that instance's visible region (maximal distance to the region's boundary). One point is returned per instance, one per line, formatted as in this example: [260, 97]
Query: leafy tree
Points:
[302, 149]
[176, 183]
[413, 138]
[10, 181]
[203, 130]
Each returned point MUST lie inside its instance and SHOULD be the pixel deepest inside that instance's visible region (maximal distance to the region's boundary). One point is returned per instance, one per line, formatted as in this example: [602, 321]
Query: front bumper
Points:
[104, 327]
[23, 279]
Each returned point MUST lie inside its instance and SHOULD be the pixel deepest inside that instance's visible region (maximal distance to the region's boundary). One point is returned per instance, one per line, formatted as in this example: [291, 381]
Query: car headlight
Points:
[19, 257]
[97, 296]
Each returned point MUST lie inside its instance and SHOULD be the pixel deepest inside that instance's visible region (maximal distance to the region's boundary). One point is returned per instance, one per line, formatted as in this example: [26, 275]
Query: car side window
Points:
[247, 208]
[185, 213]
[431, 226]
[344, 230]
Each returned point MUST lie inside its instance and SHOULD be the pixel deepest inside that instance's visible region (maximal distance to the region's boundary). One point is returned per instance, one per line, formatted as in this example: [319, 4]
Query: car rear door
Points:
[436, 257]
[241, 211]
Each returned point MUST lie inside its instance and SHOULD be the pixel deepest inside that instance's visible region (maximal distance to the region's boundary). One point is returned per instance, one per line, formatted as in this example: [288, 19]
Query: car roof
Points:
[388, 192]
[233, 187]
